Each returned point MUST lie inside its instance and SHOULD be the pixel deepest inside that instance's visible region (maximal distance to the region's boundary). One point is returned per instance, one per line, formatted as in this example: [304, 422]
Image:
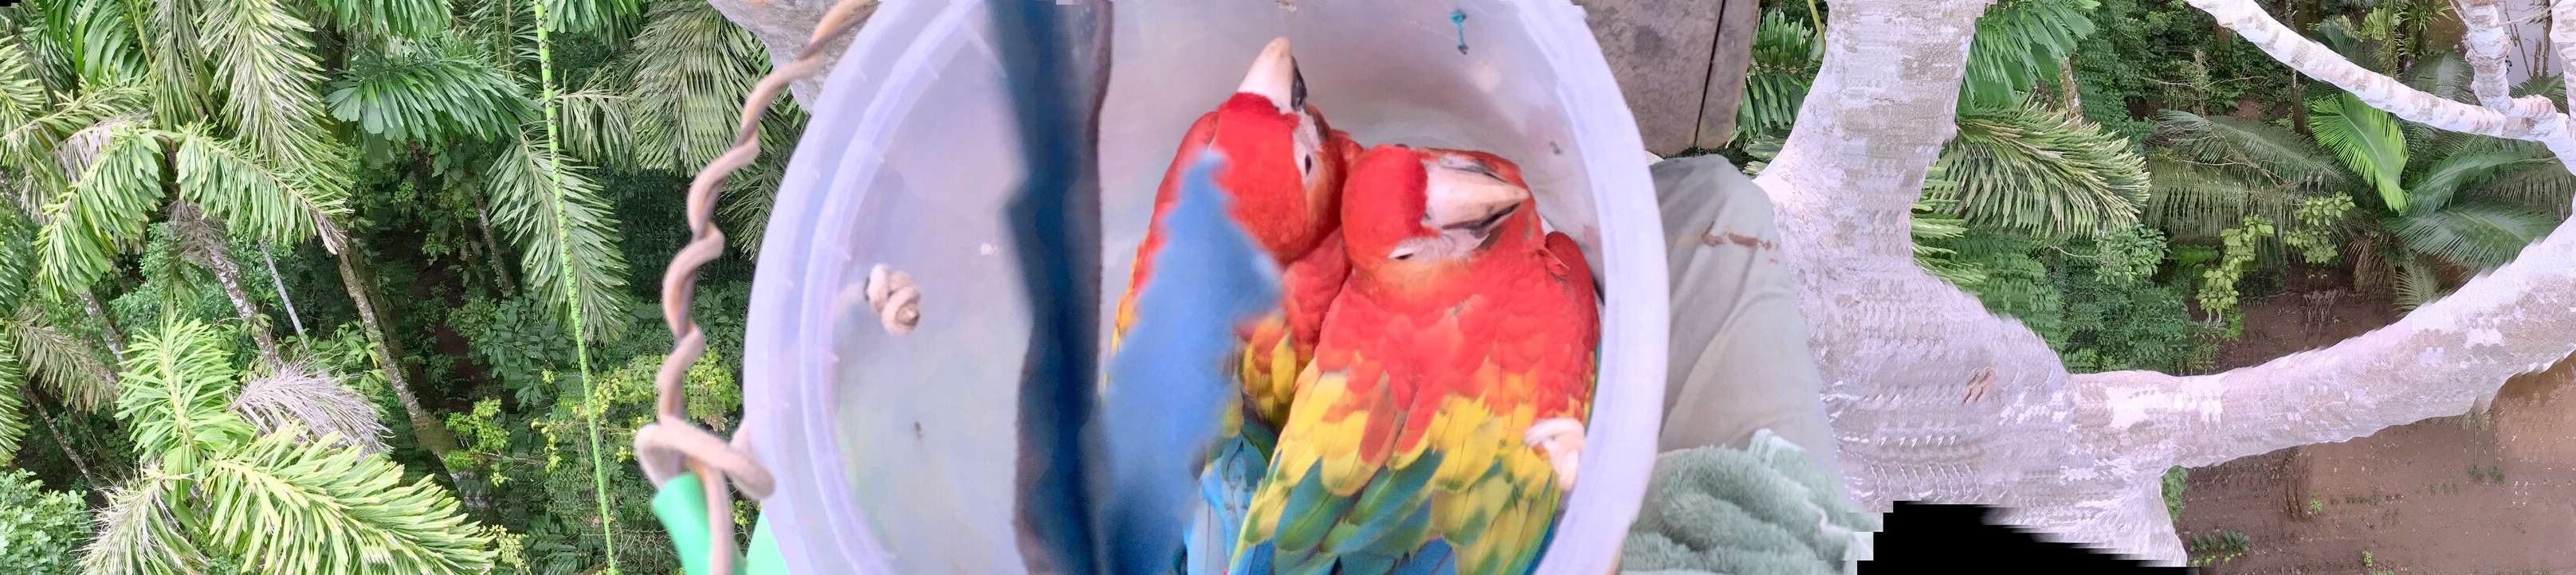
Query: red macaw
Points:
[1440, 422]
[1284, 172]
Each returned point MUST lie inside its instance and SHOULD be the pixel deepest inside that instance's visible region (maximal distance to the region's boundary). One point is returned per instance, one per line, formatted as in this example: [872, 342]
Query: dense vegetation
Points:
[284, 286]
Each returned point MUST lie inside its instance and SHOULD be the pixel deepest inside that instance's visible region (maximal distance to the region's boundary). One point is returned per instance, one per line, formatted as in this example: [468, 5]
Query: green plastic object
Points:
[683, 511]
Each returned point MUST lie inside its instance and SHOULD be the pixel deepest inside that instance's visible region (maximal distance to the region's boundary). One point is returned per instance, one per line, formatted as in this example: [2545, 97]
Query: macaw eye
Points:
[1310, 164]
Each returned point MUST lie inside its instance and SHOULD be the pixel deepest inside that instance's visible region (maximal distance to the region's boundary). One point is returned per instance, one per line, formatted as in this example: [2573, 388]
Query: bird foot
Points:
[1562, 440]
[896, 301]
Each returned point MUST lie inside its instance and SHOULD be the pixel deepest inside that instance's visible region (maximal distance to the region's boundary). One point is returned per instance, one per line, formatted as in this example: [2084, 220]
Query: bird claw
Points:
[896, 301]
[1561, 439]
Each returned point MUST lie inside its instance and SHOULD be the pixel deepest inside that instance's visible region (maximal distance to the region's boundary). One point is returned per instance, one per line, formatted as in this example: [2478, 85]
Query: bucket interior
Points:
[898, 453]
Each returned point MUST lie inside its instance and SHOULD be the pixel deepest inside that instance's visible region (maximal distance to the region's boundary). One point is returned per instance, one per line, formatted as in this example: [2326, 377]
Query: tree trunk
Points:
[68, 452]
[492, 253]
[115, 339]
[228, 273]
[425, 426]
[282, 299]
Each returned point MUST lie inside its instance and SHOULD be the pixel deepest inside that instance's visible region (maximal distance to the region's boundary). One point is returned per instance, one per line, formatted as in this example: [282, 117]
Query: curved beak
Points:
[1274, 76]
[1469, 198]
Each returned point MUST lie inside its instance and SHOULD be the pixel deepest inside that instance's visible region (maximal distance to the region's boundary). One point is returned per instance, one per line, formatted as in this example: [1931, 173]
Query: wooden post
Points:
[1731, 59]
[1659, 51]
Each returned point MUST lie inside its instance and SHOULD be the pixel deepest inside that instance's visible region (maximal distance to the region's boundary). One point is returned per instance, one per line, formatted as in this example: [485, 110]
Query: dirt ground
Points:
[2478, 494]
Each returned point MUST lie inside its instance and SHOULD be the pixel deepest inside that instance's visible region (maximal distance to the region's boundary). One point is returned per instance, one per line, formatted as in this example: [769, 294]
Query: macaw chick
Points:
[1284, 175]
[1438, 427]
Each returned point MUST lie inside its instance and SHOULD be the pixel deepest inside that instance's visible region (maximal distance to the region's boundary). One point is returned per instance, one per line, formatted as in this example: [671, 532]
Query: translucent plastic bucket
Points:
[898, 453]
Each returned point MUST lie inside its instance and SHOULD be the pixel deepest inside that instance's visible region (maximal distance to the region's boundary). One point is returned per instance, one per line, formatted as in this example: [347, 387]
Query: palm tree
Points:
[2441, 203]
[269, 495]
[2017, 164]
[215, 108]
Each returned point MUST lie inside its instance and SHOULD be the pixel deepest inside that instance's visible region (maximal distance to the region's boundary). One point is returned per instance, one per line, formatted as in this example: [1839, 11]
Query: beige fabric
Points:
[1740, 361]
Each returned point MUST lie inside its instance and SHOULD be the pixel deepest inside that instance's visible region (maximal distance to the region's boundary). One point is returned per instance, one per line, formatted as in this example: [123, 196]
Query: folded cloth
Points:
[1739, 358]
[1762, 510]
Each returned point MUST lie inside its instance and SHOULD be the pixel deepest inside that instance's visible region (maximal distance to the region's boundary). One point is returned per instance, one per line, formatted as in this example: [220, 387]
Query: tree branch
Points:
[2080, 457]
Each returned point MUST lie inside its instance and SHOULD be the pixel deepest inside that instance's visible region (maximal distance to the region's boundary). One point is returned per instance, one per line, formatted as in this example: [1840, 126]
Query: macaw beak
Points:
[1274, 75]
[1464, 196]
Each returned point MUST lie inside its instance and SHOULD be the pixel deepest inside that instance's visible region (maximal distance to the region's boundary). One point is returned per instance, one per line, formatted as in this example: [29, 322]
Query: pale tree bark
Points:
[282, 299]
[203, 240]
[1934, 399]
[115, 339]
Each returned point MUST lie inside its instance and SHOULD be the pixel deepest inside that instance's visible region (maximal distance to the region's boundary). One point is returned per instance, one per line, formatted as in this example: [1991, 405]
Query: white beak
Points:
[1466, 196]
[1274, 76]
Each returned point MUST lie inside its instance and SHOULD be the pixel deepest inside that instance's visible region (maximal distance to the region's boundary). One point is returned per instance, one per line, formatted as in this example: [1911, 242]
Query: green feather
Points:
[1310, 513]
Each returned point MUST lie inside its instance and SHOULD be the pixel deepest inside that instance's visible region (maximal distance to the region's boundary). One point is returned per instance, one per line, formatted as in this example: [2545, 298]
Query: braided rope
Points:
[663, 447]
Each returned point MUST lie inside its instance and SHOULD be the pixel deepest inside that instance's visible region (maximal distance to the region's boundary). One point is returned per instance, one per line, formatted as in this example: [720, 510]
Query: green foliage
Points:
[2128, 256]
[214, 490]
[2214, 547]
[2173, 485]
[13, 426]
[2366, 139]
[2313, 232]
[428, 94]
[2236, 252]
[2043, 172]
[523, 185]
[686, 103]
[39, 529]
[1786, 54]
[2017, 42]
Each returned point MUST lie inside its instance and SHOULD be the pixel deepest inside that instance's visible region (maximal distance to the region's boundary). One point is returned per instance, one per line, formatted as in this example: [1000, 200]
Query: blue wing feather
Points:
[1172, 365]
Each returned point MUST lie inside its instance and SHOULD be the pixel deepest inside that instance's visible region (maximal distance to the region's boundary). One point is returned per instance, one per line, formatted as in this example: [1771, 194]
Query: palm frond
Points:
[595, 126]
[22, 93]
[175, 51]
[312, 402]
[80, 149]
[283, 501]
[2447, 173]
[95, 112]
[2253, 148]
[2543, 186]
[2551, 87]
[424, 94]
[607, 17]
[692, 70]
[104, 210]
[2044, 172]
[522, 189]
[13, 387]
[2193, 202]
[2478, 235]
[263, 63]
[2366, 139]
[92, 41]
[237, 184]
[748, 196]
[177, 381]
[61, 361]
[2416, 285]
[1786, 54]
[137, 533]
[412, 19]
[2016, 42]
